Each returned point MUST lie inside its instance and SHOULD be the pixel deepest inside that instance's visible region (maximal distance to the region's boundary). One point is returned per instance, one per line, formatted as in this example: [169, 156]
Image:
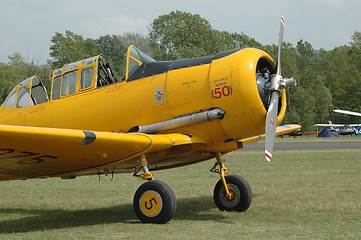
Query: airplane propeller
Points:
[277, 84]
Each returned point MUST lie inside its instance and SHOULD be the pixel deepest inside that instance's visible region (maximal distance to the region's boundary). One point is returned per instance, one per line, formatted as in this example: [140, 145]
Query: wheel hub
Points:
[150, 203]
[234, 197]
[230, 196]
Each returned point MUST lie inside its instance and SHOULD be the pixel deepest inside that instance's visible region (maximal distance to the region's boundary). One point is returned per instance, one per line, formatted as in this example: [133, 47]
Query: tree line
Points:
[327, 79]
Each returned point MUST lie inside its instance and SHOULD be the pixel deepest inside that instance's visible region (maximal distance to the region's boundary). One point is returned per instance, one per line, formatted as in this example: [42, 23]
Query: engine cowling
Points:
[241, 90]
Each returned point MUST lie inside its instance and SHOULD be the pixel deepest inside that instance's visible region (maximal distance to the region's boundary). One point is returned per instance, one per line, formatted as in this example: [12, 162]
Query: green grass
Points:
[299, 195]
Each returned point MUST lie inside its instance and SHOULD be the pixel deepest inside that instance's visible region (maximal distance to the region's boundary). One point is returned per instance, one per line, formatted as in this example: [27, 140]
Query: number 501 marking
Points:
[219, 92]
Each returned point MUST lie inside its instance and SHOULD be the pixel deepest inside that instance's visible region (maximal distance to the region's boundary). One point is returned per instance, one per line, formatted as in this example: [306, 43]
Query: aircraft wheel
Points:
[154, 202]
[241, 194]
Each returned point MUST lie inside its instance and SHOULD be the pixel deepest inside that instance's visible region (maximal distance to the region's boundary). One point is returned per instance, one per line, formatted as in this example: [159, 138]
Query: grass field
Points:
[299, 195]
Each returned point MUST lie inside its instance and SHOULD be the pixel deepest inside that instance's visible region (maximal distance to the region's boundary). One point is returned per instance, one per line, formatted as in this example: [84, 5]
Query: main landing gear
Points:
[231, 193]
[155, 201]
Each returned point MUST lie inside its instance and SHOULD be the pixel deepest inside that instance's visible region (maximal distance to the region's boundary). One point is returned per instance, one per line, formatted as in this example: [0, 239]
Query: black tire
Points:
[154, 202]
[241, 193]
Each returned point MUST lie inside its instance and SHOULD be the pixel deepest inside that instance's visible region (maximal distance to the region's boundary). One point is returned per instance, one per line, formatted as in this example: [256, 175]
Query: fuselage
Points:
[227, 82]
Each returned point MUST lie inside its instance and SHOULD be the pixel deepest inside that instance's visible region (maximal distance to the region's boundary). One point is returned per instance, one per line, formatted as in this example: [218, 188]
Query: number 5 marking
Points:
[151, 203]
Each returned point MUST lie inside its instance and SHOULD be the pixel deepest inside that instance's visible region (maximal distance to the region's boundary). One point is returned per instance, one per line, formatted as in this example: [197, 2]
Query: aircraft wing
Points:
[35, 152]
[279, 131]
[348, 112]
[337, 125]
[329, 125]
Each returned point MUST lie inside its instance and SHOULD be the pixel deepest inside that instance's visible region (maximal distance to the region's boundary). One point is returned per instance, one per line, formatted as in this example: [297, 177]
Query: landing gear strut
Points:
[154, 201]
[231, 193]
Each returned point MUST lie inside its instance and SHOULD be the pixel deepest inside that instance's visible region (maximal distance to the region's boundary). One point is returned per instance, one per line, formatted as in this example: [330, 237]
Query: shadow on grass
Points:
[40, 220]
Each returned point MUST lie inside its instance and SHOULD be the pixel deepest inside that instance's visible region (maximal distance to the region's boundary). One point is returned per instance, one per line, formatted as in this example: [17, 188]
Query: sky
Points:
[27, 26]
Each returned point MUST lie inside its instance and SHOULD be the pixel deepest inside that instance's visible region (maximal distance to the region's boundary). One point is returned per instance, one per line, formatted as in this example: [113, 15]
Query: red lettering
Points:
[224, 91]
[217, 93]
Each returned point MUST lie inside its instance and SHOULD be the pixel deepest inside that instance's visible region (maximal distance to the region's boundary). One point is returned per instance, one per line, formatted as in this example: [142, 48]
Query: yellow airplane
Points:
[163, 115]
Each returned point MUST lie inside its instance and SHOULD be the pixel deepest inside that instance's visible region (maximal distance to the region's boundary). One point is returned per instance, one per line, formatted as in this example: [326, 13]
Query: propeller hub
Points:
[289, 82]
[275, 83]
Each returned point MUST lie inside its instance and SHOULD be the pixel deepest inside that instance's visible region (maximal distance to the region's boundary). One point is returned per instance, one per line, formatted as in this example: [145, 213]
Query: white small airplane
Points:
[343, 129]
[346, 129]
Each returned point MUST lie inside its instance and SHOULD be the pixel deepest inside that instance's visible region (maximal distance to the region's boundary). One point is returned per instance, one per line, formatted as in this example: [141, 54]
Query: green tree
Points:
[222, 41]
[112, 46]
[355, 50]
[138, 40]
[180, 35]
[289, 68]
[70, 47]
[5, 84]
[308, 64]
[242, 40]
[311, 101]
[302, 109]
[19, 69]
[341, 74]
[355, 56]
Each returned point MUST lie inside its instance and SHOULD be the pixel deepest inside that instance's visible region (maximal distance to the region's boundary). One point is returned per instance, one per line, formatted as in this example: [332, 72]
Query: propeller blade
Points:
[280, 41]
[275, 89]
[271, 124]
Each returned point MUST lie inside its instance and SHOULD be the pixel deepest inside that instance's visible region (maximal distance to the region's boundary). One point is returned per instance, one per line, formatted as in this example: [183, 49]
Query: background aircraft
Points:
[342, 129]
[349, 127]
[163, 115]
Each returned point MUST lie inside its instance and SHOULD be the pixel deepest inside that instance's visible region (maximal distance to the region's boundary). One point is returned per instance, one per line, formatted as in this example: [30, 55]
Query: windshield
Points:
[136, 58]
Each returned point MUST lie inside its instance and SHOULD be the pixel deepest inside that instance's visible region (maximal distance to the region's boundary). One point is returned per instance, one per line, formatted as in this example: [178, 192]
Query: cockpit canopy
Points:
[135, 59]
[81, 76]
[29, 92]
[71, 79]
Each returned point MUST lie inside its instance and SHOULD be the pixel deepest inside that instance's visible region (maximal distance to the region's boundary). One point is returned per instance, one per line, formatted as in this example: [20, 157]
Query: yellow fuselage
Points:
[228, 83]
